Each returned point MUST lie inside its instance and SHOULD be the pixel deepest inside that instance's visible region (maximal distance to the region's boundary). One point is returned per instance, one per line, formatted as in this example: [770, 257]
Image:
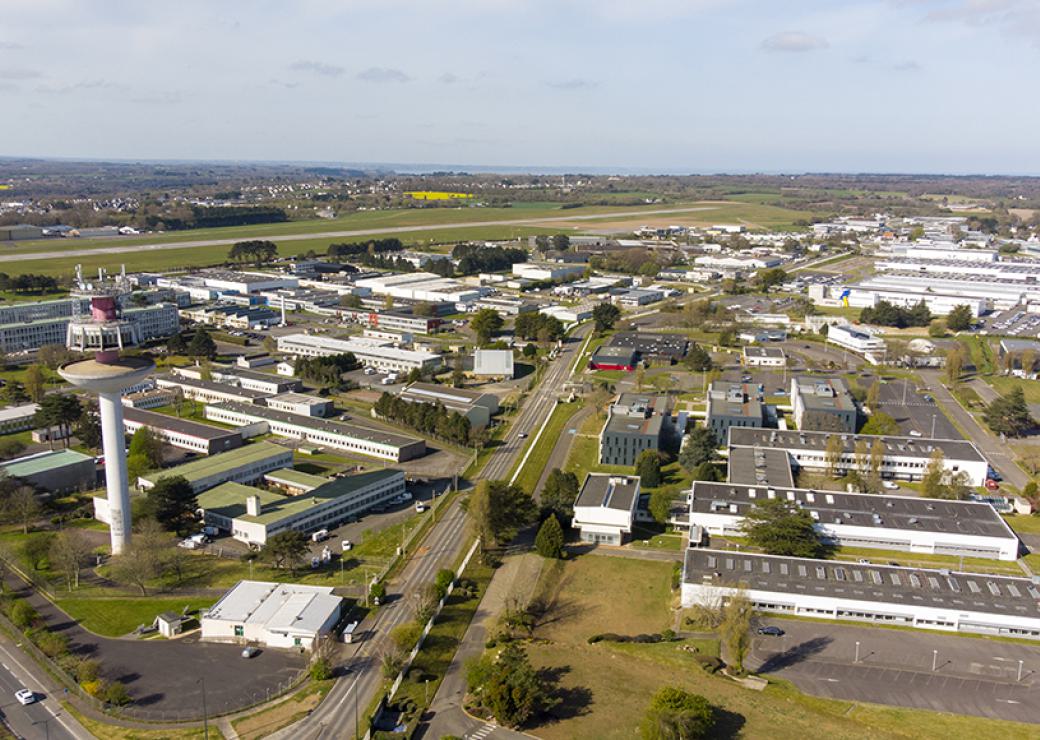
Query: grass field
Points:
[539, 457]
[1023, 523]
[609, 685]
[1004, 384]
[117, 617]
[295, 708]
[114, 732]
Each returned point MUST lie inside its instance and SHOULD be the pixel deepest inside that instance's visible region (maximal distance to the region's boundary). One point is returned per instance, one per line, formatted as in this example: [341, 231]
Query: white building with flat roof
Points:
[855, 338]
[18, 418]
[606, 507]
[493, 363]
[379, 354]
[276, 615]
[476, 406]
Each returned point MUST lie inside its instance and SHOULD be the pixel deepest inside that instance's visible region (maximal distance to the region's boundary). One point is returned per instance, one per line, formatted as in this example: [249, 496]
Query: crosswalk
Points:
[482, 732]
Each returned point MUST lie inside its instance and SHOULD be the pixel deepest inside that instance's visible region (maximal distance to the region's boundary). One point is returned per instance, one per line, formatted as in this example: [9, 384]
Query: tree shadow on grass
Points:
[794, 655]
[727, 724]
[569, 702]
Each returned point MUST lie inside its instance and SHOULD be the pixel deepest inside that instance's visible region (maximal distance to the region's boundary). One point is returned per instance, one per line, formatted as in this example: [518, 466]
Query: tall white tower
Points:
[104, 333]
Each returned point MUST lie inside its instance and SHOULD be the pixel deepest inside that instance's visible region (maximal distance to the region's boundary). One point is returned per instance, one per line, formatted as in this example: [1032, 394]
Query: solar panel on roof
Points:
[875, 575]
[729, 563]
[821, 573]
[1013, 589]
[839, 573]
[747, 566]
[802, 571]
[783, 568]
[915, 581]
[895, 579]
[857, 576]
[711, 561]
[993, 588]
[974, 587]
[956, 587]
[765, 566]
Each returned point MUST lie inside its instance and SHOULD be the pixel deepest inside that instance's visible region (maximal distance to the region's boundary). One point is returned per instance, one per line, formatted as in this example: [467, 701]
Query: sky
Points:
[935, 86]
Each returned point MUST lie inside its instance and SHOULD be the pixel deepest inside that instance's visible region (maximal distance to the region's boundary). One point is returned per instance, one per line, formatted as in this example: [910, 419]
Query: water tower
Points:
[105, 334]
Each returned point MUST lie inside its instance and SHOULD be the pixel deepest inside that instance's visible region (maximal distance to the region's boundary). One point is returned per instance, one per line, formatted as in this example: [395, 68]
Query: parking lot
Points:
[895, 667]
[1015, 322]
[916, 413]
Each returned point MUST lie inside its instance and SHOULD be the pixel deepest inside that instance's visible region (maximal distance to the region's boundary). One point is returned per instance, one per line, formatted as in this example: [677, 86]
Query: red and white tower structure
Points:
[105, 333]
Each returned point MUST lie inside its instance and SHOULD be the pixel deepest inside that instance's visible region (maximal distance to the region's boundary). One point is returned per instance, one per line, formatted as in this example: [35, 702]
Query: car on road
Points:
[25, 697]
[771, 631]
[250, 652]
[890, 485]
[915, 433]
[522, 435]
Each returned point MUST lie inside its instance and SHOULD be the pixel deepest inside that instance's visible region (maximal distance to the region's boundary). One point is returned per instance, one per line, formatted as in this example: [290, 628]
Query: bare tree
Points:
[22, 507]
[736, 627]
[69, 552]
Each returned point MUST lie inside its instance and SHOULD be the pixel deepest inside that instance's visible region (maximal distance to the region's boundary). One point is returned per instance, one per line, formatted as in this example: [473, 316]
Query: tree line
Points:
[28, 283]
[206, 217]
[473, 258]
[256, 251]
[539, 326]
[888, 314]
[326, 371]
[373, 246]
[427, 418]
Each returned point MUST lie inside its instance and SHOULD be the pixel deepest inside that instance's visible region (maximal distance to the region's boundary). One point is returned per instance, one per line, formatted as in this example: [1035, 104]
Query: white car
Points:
[915, 433]
[25, 697]
[890, 485]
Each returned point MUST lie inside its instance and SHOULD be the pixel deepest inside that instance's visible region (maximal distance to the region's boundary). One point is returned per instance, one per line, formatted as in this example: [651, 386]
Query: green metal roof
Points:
[214, 464]
[229, 499]
[43, 462]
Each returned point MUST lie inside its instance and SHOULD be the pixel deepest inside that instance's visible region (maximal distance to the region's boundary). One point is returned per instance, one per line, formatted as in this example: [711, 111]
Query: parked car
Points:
[25, 697]
[915, 433]
[320, 535]
[250, 652]
[890, 485]
[771, 631]
[420, 507]
[346, 545]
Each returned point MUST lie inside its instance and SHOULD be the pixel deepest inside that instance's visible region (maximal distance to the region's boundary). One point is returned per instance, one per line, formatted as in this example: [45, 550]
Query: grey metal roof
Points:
[761, 466]
[609, 491]
[824, 394]
[173, 424]
[910, 587]
[922, 447]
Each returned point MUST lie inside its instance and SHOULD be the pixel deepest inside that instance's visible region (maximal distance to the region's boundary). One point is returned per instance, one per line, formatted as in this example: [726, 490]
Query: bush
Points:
[443, 579]
[94, 687]
[405, 636]
[321, 670]
[378, 591]
[668, 635]
[23, 615]
[116, 693]
[87, 670]
[709, 663]
[51, 643]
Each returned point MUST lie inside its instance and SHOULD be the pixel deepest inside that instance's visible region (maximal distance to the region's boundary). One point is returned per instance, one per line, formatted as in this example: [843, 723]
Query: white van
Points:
[320, 536]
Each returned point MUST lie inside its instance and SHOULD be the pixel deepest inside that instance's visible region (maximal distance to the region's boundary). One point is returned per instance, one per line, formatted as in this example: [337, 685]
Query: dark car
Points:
[771, 630]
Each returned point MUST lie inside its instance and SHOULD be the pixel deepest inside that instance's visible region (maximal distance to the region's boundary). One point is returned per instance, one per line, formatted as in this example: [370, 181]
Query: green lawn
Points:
[539, 457]
[120, 616]
[1004, 384]
[1023, 523]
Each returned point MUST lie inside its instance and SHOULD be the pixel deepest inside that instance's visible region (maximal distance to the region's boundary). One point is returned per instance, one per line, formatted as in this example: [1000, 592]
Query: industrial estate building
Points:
[763, 357]
[18, 418]
[381, 355]
[929, 599]
[183, 433]
[56, 471]
[493, 363]
[247, 464]
[151, 322]
[902, 458]
[856, 339]
[277, 615]
[734, 405]
[207, 391]
[352, 437]
[301, 404]
[634, 423]
[391, 320]
[476, 406]
[252, 515]
[250, 380]
[823, 403]
[605, 508]
[904, 523]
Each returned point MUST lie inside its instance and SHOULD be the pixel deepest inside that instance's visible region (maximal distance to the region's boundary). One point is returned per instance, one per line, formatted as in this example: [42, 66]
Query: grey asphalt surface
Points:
[45, 719]
[995, 451]
[916, 413]
[972, 676]
[161, 246]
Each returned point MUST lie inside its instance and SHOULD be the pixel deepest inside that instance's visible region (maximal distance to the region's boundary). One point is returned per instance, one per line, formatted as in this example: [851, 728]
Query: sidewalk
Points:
[518, 574]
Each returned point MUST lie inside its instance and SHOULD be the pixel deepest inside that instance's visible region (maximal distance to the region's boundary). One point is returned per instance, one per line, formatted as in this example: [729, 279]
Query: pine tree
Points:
[549, 541]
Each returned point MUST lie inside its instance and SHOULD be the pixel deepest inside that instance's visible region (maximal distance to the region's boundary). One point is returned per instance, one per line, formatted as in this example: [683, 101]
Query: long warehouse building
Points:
[351, 437]
[944, 600]
[909, 524]
[379, 354]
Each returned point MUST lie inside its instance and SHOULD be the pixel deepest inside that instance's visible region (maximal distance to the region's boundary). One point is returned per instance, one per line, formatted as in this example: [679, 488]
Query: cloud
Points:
[908, 65]
[793, 41]
[10, 46]
[18, 73]
[282, 83]
[317, 68]
[382, 74]
[8, 87]
[1019, 18]
[78, 86]
[163, 97]
[576, 83]
[448, 78]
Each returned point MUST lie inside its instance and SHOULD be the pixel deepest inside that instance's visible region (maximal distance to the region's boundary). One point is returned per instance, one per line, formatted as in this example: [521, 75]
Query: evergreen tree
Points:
[559, 494]
[202, 345]
[549, 540]
[1009, 415]
[173, 503]
[700, 447]
[780, 527]
[648, 468]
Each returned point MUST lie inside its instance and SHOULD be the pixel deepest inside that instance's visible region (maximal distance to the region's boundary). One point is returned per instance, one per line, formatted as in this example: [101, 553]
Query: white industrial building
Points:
[855, 338]
[276, 615]
[763, 357]
[476, 406]
[422, 286]
[152, 322]
[606, 507]
[254, 420]
[18, 418]
[548, 271]
[252, 515]
[183, 433]
[250, 380]
[493, 363]
[945, 600]
[903, 458]
[207, 391]
[910, 524]
[246, 464]
[569, 314]
[301, 403]
[379, 354]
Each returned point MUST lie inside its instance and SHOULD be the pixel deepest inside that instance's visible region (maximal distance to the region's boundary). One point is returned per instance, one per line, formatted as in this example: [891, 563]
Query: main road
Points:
[161, 246]
[344, 707]
[45, 719]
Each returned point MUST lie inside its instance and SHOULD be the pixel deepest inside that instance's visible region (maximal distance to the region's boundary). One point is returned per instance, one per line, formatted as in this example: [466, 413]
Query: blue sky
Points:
[656, 85]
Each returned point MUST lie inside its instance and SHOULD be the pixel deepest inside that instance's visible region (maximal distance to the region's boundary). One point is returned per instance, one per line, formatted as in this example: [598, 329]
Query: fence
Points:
[389, 695]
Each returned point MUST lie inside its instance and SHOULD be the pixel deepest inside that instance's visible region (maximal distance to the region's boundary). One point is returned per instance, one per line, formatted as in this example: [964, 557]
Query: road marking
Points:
[1009, 701]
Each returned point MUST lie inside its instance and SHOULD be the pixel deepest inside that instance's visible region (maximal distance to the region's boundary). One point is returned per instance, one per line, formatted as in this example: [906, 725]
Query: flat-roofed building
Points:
[493, 363]
[252, 515]
[352, 436]
[653, 348]
[902, 458]
[18, 418]
[910, 524]
[294, 482]
[635, 423]
[855, 338]
[946, 600]
[614, 358]
[371, 353]
[302, 404]
[207, 391]
[761, 466]
[56, 471]
[152, 322]
[247, 464]
[183, 433]
[276, 615]
[151, 399]
[393, 321]
[823, 404]
[606, 507]
[476, 406]
[763, 357]
[548, 271]
[250, 380]
[734, 405]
